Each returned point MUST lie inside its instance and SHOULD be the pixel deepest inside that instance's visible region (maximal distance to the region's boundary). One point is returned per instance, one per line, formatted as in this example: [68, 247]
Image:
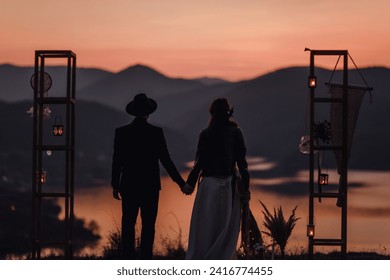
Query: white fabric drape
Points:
[355, 97]
[215, 221]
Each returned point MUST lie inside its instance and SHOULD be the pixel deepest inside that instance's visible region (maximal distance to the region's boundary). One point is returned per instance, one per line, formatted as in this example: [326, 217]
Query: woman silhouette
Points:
[215, 220]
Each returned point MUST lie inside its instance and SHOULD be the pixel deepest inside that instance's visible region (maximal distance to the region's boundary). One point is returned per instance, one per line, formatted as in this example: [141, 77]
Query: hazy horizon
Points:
[200, 76]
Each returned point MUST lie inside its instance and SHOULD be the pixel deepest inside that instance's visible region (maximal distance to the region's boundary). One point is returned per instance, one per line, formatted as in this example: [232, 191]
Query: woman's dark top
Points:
[218, 152]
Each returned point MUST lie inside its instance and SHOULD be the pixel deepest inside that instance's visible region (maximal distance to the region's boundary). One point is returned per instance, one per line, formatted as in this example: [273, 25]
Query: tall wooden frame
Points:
[341, 195]
[39, 193]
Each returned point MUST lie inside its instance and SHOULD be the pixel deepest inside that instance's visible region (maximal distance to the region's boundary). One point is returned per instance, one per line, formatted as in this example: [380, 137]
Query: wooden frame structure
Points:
[341, 195]
[40, 147]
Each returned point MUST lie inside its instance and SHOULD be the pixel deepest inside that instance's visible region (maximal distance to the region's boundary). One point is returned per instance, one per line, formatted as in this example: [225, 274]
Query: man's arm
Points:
[167, 162]
[116, 165]
[194, 174]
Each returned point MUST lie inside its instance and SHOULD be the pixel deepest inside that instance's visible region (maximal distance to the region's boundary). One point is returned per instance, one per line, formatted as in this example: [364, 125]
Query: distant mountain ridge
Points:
[209, 81]
[117, 90]
[270, 109]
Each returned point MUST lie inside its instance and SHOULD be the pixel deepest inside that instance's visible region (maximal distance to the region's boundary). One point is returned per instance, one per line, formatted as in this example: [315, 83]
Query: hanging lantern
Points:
[42, 177]
[310, 230]
[58, 128]
[323, 179]
[312, 81]
[304, 145]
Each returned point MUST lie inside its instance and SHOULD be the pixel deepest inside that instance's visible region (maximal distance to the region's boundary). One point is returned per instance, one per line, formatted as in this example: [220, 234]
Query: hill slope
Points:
[270, 109]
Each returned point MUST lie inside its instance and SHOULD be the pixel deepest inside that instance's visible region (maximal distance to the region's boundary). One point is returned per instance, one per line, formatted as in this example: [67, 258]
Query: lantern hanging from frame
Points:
[310, 228]
[323, 179]
[58, 127]
[304, 144]
[312, 82]
[42, 177]
[323, 176]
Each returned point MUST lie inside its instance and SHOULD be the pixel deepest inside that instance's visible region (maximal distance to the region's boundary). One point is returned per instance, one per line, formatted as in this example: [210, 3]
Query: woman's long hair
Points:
[220, 114]
[217, 150]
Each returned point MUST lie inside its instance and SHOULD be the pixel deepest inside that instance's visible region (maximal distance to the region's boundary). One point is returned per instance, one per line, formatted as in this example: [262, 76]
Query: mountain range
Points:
[271, 109]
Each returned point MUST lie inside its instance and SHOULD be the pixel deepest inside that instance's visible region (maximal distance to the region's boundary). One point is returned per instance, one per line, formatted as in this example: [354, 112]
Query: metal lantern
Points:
[42, 177]
[323, 179]
[310, 230]
[58, 127]
[304, 145]
[312, 81]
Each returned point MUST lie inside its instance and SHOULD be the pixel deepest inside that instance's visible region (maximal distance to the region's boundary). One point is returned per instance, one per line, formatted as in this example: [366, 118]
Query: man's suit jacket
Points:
[138, 148]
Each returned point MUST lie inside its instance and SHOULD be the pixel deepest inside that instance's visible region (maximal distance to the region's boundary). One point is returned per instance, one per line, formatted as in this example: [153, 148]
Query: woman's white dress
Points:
[215, 221]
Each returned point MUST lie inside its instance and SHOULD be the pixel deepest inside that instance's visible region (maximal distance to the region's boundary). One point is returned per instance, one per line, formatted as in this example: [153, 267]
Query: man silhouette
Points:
[138, 148]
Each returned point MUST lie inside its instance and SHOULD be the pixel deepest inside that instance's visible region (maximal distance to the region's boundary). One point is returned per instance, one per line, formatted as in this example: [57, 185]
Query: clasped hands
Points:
[187, 189]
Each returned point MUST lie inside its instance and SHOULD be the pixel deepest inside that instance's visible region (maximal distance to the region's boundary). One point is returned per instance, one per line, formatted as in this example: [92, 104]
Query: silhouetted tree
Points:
[15, 225]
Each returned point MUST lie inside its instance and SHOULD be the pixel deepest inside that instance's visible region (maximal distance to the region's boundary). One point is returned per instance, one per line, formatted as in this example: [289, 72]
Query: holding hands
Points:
[187, 189]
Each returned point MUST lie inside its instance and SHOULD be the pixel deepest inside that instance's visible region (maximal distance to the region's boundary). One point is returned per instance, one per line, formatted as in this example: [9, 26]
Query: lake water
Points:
[368, 212]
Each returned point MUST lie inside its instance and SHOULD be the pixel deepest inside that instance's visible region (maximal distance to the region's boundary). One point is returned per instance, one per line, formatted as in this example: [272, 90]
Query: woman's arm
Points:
[241, 159]
[194, 174]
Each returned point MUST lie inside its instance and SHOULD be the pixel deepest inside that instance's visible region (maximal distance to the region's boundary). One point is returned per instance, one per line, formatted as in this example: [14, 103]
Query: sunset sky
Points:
[231, 39]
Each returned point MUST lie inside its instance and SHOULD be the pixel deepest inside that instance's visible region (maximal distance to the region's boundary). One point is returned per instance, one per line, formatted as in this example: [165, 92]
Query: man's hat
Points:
[141, 105]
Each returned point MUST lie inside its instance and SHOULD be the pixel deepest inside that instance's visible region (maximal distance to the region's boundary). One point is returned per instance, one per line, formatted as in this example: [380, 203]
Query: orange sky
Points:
[227, 38]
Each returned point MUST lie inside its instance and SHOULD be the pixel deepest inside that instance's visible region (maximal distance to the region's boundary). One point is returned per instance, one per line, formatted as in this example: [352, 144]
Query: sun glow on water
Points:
[368, 226]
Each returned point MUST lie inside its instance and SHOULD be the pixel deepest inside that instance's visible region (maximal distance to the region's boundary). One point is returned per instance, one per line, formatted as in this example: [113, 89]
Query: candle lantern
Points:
[310, 230]
[58, 127]
[42, 177]
[323, 179]
[312, 81]
[304, 145]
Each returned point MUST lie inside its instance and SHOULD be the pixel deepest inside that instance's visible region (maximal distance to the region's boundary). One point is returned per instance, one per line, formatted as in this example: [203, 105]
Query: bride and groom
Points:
[215, 222]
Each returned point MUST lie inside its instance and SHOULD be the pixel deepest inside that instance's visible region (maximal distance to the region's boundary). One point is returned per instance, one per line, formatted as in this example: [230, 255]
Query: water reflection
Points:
[368, 211]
